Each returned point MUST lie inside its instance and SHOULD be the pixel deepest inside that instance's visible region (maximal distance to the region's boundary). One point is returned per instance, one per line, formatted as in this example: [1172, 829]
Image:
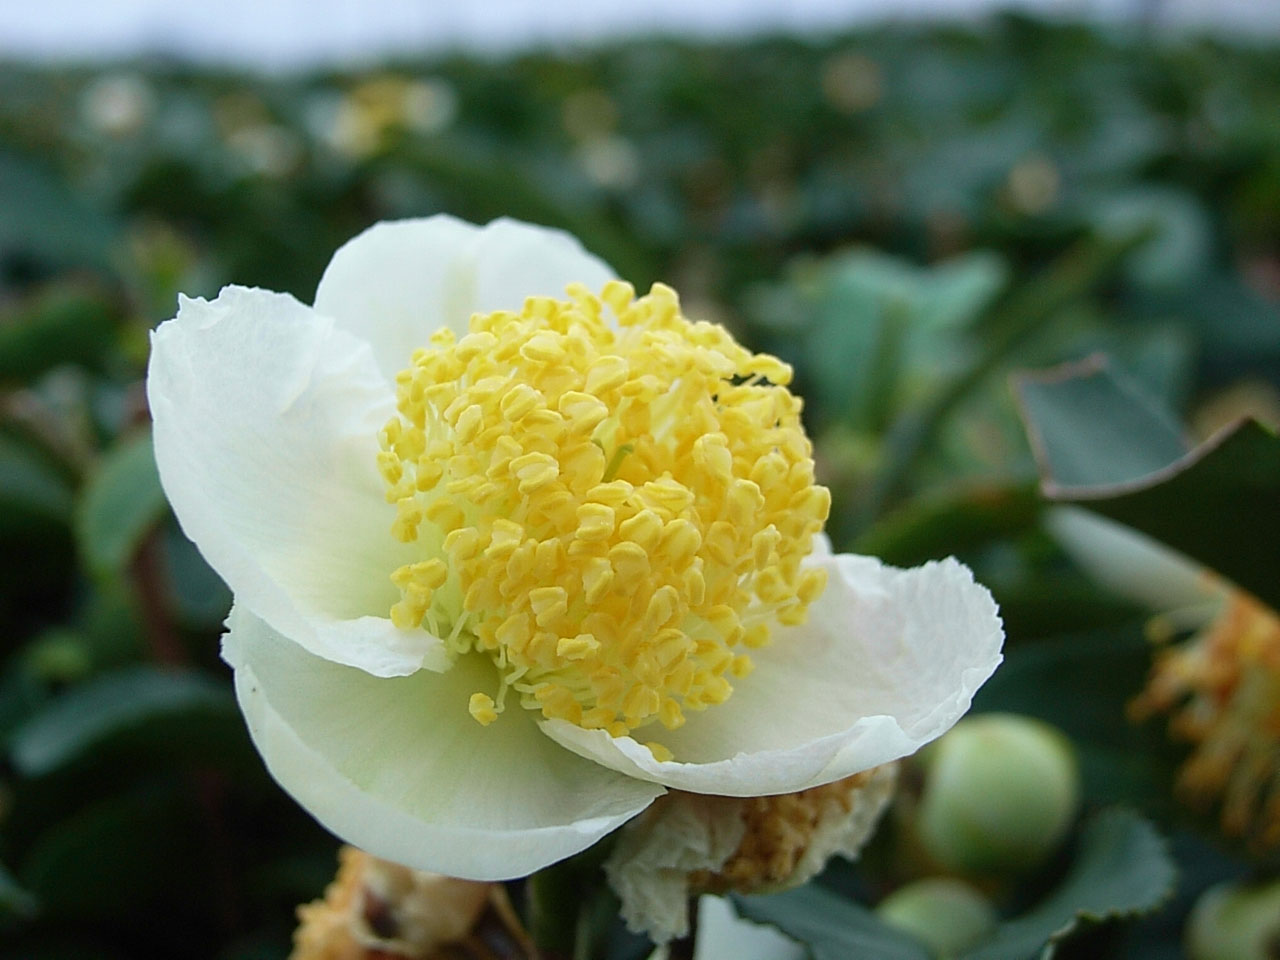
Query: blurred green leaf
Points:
[45, 220]
[15, 902]
[1179, 250]
[1006, 325]
[1100, 446]
[121, 502]
[139, 700]
[1122, 868]
[68, 324]
[1090, 427]
[30, 484]
[112, 855]
[831, 926]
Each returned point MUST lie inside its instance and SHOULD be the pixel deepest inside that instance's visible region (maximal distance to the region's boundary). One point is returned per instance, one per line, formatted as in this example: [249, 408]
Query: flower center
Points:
[613, 511]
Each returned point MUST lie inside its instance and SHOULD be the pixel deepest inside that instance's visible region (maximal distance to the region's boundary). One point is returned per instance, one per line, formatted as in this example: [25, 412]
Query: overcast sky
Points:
[285, 33]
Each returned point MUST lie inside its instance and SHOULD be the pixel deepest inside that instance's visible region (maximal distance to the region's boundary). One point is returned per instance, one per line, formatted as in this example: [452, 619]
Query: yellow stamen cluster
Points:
[611, 502]
[1222, 690]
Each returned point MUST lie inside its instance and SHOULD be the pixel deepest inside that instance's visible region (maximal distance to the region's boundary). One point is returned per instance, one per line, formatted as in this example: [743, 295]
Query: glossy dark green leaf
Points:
[831, 926]
[121, 502]
[1101, 446]
[136, 699]
[1122, 868]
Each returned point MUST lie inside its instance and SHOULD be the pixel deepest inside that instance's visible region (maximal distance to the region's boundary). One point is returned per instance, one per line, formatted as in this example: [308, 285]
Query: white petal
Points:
[889, 660]
[1132, 563]
[397, 766]
[721, 934]
[398, 282]
[266, 421]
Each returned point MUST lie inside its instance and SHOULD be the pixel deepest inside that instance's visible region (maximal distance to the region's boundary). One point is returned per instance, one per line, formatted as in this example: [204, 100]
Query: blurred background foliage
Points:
[907, 215]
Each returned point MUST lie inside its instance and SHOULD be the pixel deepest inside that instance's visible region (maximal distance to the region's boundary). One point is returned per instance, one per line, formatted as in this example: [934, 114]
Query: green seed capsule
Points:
[1235, 921]
[947, 915]
[1001, 792]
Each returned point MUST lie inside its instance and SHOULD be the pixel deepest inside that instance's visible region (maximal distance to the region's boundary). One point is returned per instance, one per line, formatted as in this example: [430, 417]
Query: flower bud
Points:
[946, 914]
[1235, 921]
[1000, 793]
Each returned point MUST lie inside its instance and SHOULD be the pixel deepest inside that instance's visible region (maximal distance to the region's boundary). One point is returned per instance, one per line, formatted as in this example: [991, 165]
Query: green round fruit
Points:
[1000, 793]
[1235, 921]
[945, 914]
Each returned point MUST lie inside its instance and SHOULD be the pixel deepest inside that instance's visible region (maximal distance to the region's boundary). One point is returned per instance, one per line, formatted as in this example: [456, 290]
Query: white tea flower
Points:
[514, 550]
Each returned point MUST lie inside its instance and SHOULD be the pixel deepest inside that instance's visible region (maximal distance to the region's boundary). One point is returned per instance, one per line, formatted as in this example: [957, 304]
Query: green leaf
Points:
[138, 700]
[1122, 868]
[45, 220]
[121, 502]
[832, 927]
[30, 484]
[68, 325]
[1101, 447]
[1005, 326]
[15, 902]
[114, 854]
[1088, 426]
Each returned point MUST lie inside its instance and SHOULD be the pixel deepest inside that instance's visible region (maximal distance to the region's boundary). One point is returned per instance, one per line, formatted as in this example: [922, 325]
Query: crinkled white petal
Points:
[397, 766]
[266, 422]
[397, 283]
[651, 864]
[888, 661]
[1131, 563]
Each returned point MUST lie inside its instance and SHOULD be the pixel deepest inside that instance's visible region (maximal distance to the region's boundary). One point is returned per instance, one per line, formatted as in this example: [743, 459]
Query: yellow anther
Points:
[445, 514]
[461, 545]
[630, 560]
[519, 402]
[721, 543]
[610, 503]
[618, 294]
[429, 473]
[481, 706]
[660, 753]
[577, 648]
[607, 373]
[544, 347]
[534, 471]
[763, 545]
[812, 582]
[469, 423]
[670, 714]
[680, 542]
[644, 529]
[431, 573]
[583, 411]
[595, 521]
[548, 604]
